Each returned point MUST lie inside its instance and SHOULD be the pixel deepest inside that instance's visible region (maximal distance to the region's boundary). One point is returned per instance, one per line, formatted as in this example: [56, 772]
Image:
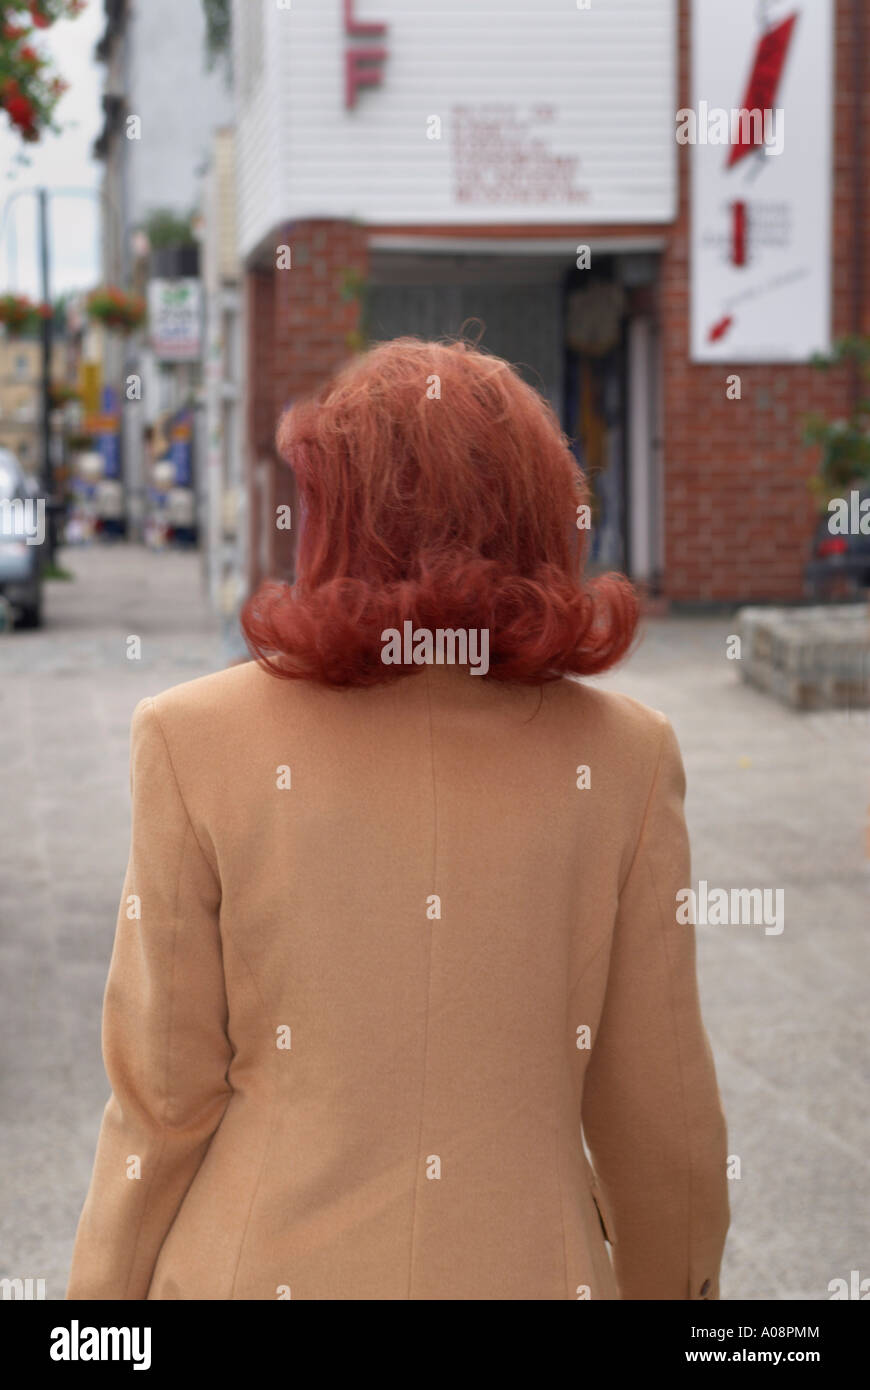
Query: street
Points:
[776, 800]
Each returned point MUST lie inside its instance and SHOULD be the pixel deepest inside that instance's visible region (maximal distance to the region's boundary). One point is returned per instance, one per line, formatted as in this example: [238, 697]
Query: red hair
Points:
[436, 486]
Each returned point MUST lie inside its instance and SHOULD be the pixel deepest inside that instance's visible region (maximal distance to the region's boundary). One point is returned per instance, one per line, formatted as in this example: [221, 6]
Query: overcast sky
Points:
[57, 162]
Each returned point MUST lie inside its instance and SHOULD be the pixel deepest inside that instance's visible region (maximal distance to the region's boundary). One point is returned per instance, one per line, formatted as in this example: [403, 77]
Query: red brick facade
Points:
[300, 327]
[737, 511]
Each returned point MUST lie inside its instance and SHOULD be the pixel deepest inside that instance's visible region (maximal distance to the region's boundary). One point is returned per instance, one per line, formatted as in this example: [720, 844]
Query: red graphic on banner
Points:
[738, 233]
[720, 329]
[764, 79]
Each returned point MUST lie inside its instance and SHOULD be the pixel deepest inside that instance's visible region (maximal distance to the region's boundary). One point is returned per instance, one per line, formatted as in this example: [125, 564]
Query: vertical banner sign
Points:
[760, 132]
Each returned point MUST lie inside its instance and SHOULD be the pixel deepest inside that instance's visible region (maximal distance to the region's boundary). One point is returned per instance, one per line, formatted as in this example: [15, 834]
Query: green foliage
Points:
[163, 227]
[844, 442]
[354, 285]
[218, 29]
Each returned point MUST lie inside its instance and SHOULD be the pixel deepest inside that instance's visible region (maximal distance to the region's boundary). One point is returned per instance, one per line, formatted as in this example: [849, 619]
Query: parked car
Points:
[22, 541]
[840, 564]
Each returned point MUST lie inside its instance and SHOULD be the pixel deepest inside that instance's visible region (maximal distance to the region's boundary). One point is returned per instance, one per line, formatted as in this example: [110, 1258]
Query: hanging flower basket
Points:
[63, 394]
[29, 90]
[19, 314]
[116, 309]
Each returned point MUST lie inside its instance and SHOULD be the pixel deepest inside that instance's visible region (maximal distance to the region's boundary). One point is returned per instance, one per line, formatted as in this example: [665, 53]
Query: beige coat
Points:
[364, 940]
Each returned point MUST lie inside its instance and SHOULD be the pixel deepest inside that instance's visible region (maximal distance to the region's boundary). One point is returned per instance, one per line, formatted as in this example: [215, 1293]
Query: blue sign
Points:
[109, 449]
[109, 441]
[181, 451]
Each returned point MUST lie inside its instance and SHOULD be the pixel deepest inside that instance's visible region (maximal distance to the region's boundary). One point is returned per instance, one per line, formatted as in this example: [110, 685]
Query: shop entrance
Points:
[586, 339]
[516, 299]
[612, 408]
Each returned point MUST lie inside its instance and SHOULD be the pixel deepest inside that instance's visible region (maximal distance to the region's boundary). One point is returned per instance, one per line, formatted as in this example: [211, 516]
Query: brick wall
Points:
[738, 516]
[299, 332]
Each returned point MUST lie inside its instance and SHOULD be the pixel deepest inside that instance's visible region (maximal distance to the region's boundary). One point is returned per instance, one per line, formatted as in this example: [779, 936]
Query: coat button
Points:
[705, 1288]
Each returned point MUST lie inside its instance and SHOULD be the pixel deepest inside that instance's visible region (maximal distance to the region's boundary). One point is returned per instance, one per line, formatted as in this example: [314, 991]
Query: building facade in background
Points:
[224, 496]
[20, 391]
[402, 168]
[162, 106]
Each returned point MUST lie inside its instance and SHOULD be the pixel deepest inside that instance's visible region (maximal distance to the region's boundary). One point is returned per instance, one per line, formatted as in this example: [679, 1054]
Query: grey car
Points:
[22, 541]
[839, 567]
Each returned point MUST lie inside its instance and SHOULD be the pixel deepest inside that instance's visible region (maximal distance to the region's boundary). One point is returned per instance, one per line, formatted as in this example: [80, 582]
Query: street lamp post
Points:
[47, 461]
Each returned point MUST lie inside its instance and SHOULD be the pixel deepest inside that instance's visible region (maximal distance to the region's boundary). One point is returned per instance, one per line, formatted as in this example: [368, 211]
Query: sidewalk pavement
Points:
[775, 799]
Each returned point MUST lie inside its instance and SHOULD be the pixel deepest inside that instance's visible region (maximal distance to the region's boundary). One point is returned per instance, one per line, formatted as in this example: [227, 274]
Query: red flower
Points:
[14, 31]
[40, 20]
[29, 55]
[20, 111]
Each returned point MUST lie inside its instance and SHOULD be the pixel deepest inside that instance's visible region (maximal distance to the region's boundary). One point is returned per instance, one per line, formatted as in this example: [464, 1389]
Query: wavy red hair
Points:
[436, 486]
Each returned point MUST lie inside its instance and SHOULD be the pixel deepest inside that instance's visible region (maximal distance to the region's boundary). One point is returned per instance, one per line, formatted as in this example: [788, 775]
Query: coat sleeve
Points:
[165, 1043]
[652, 1115]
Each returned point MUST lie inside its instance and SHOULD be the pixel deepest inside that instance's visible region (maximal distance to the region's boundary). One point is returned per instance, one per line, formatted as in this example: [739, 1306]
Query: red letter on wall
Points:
[362, 66]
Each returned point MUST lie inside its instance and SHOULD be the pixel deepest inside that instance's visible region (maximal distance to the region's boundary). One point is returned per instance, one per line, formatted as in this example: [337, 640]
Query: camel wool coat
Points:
[399, 1007]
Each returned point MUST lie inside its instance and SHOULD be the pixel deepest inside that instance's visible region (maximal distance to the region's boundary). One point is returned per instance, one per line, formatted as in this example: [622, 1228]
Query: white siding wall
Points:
[607, 75]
